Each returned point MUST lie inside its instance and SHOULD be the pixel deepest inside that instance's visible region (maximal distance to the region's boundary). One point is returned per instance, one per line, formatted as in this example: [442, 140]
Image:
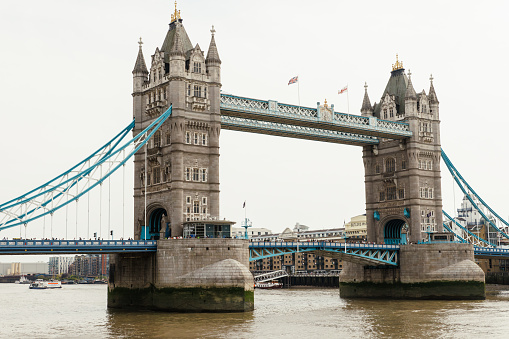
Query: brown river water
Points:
[79, 311]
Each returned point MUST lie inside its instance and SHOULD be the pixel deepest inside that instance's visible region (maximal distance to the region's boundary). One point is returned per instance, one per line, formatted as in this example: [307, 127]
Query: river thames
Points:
[79, 311]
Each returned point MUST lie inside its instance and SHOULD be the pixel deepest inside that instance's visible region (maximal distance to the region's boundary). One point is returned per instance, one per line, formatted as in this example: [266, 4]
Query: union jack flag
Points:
[344, 89]
[293, 80]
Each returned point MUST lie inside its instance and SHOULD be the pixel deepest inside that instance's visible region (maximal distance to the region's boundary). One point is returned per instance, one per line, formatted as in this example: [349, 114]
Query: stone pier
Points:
[185, 275]
[426, 271]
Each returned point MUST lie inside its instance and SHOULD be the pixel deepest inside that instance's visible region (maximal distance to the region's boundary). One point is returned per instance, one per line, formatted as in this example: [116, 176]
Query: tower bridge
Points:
[179, 112]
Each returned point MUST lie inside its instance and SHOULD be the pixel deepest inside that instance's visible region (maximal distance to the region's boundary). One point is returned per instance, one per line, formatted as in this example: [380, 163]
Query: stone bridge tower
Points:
[402, 178]
[181, 179]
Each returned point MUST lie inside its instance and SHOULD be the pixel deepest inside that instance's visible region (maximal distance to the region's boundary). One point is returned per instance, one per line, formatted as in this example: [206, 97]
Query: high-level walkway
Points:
[274, 118]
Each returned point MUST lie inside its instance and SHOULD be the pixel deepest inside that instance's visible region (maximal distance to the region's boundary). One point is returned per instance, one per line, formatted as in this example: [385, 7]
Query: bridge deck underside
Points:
[294, 131]
[315, 123]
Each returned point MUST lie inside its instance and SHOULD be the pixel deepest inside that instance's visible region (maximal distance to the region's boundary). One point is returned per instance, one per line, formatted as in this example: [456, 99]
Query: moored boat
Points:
[23, 280]
[269, 285]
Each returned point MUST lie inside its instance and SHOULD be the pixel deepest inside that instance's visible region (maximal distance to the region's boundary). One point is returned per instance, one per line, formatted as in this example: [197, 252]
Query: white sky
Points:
[66, 88]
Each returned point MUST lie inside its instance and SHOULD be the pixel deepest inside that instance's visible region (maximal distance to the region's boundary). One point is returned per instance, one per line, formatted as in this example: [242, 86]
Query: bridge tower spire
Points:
[402, 178]
[366, 109]
[183, 158]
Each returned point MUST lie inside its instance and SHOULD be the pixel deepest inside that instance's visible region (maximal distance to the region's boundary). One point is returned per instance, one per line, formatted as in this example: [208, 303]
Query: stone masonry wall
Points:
[194, 262]
[431, 262]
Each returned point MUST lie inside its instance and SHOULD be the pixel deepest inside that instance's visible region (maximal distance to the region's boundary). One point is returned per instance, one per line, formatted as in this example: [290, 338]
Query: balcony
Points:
[198, 104]
[154, 155]
[155, 108]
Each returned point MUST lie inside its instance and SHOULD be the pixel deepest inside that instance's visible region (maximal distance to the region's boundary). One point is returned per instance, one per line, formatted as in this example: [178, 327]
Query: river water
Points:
[79, 311]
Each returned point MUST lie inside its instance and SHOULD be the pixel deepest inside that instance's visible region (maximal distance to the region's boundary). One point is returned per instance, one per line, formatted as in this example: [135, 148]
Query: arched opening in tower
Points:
[395, 232]
[158, 224]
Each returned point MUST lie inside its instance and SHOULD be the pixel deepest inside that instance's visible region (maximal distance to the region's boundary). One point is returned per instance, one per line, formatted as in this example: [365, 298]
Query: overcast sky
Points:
[66, 87]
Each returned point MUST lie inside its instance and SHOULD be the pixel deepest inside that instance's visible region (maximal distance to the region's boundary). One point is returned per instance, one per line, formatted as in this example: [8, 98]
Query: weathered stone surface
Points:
[185, 275]
[428, 271]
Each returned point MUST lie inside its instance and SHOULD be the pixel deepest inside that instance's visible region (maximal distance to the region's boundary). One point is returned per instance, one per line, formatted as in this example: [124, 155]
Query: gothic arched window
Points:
[390, 165]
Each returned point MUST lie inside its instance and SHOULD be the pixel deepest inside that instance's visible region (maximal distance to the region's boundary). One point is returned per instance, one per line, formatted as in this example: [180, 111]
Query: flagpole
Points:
[347, 99]
[298, 90]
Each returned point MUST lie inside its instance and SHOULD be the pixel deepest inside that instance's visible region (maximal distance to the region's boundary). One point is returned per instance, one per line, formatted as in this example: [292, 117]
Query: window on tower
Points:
[197, 67]
[391, 193]
[390, 165]
[157, 139]
[197, 91]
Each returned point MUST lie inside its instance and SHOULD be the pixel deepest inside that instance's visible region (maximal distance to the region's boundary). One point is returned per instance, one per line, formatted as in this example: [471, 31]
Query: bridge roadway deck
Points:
[16, 247]
[264, 249]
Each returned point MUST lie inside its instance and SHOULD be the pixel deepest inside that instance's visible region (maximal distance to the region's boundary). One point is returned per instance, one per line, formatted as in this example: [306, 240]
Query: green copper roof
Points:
[170, 38]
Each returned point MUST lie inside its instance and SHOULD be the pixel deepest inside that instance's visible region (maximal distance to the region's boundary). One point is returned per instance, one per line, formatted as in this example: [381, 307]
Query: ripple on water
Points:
[79, 311]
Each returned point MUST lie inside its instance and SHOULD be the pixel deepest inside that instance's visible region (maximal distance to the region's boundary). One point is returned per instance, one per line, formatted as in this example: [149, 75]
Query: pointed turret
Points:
[366, 109]
[433, 101]
[410, 91]
[212, 55]
[140, 71]
[140, 66]
[410, 97]
[212, 62]
[432, 95]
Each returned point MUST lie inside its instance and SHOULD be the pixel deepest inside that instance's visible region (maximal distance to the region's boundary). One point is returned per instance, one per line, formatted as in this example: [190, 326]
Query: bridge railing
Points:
[73, 243]
[286, 244]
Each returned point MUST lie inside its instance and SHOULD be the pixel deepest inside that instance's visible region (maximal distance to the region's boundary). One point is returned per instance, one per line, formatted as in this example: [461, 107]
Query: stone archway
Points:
[157, 217]
[395, 232]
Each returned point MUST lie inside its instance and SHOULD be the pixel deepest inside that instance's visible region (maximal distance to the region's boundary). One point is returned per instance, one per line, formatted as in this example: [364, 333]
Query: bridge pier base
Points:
[185, 275]
[426, 271]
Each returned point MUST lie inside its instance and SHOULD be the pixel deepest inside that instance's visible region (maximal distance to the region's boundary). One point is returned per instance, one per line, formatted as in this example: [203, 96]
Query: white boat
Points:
[40, 284]
[22, 280]
[269, 285]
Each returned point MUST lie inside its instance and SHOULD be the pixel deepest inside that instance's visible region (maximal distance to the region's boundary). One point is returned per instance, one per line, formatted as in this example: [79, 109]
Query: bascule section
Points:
[402, 177]
[177, 174]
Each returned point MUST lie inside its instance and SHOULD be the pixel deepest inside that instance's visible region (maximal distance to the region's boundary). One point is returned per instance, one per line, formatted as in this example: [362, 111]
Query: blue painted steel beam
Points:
[466, 230]
[293, 131]
[367, 253]
[20, 247]
[272, 111]
[491, 252]
[56, 188]
[460, 181]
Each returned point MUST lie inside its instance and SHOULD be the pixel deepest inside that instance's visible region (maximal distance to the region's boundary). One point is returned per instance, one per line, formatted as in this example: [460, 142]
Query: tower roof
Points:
[177, 48]
[397, 86]
[212, 54]
[169, 40]
[140, 66]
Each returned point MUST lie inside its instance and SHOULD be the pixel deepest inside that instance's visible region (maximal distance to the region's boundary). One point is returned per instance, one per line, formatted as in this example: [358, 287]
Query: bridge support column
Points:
[185, 275]
[427, 271]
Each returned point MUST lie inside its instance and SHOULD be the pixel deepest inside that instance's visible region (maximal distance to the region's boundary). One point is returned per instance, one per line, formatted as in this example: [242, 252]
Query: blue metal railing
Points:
[24, 246]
